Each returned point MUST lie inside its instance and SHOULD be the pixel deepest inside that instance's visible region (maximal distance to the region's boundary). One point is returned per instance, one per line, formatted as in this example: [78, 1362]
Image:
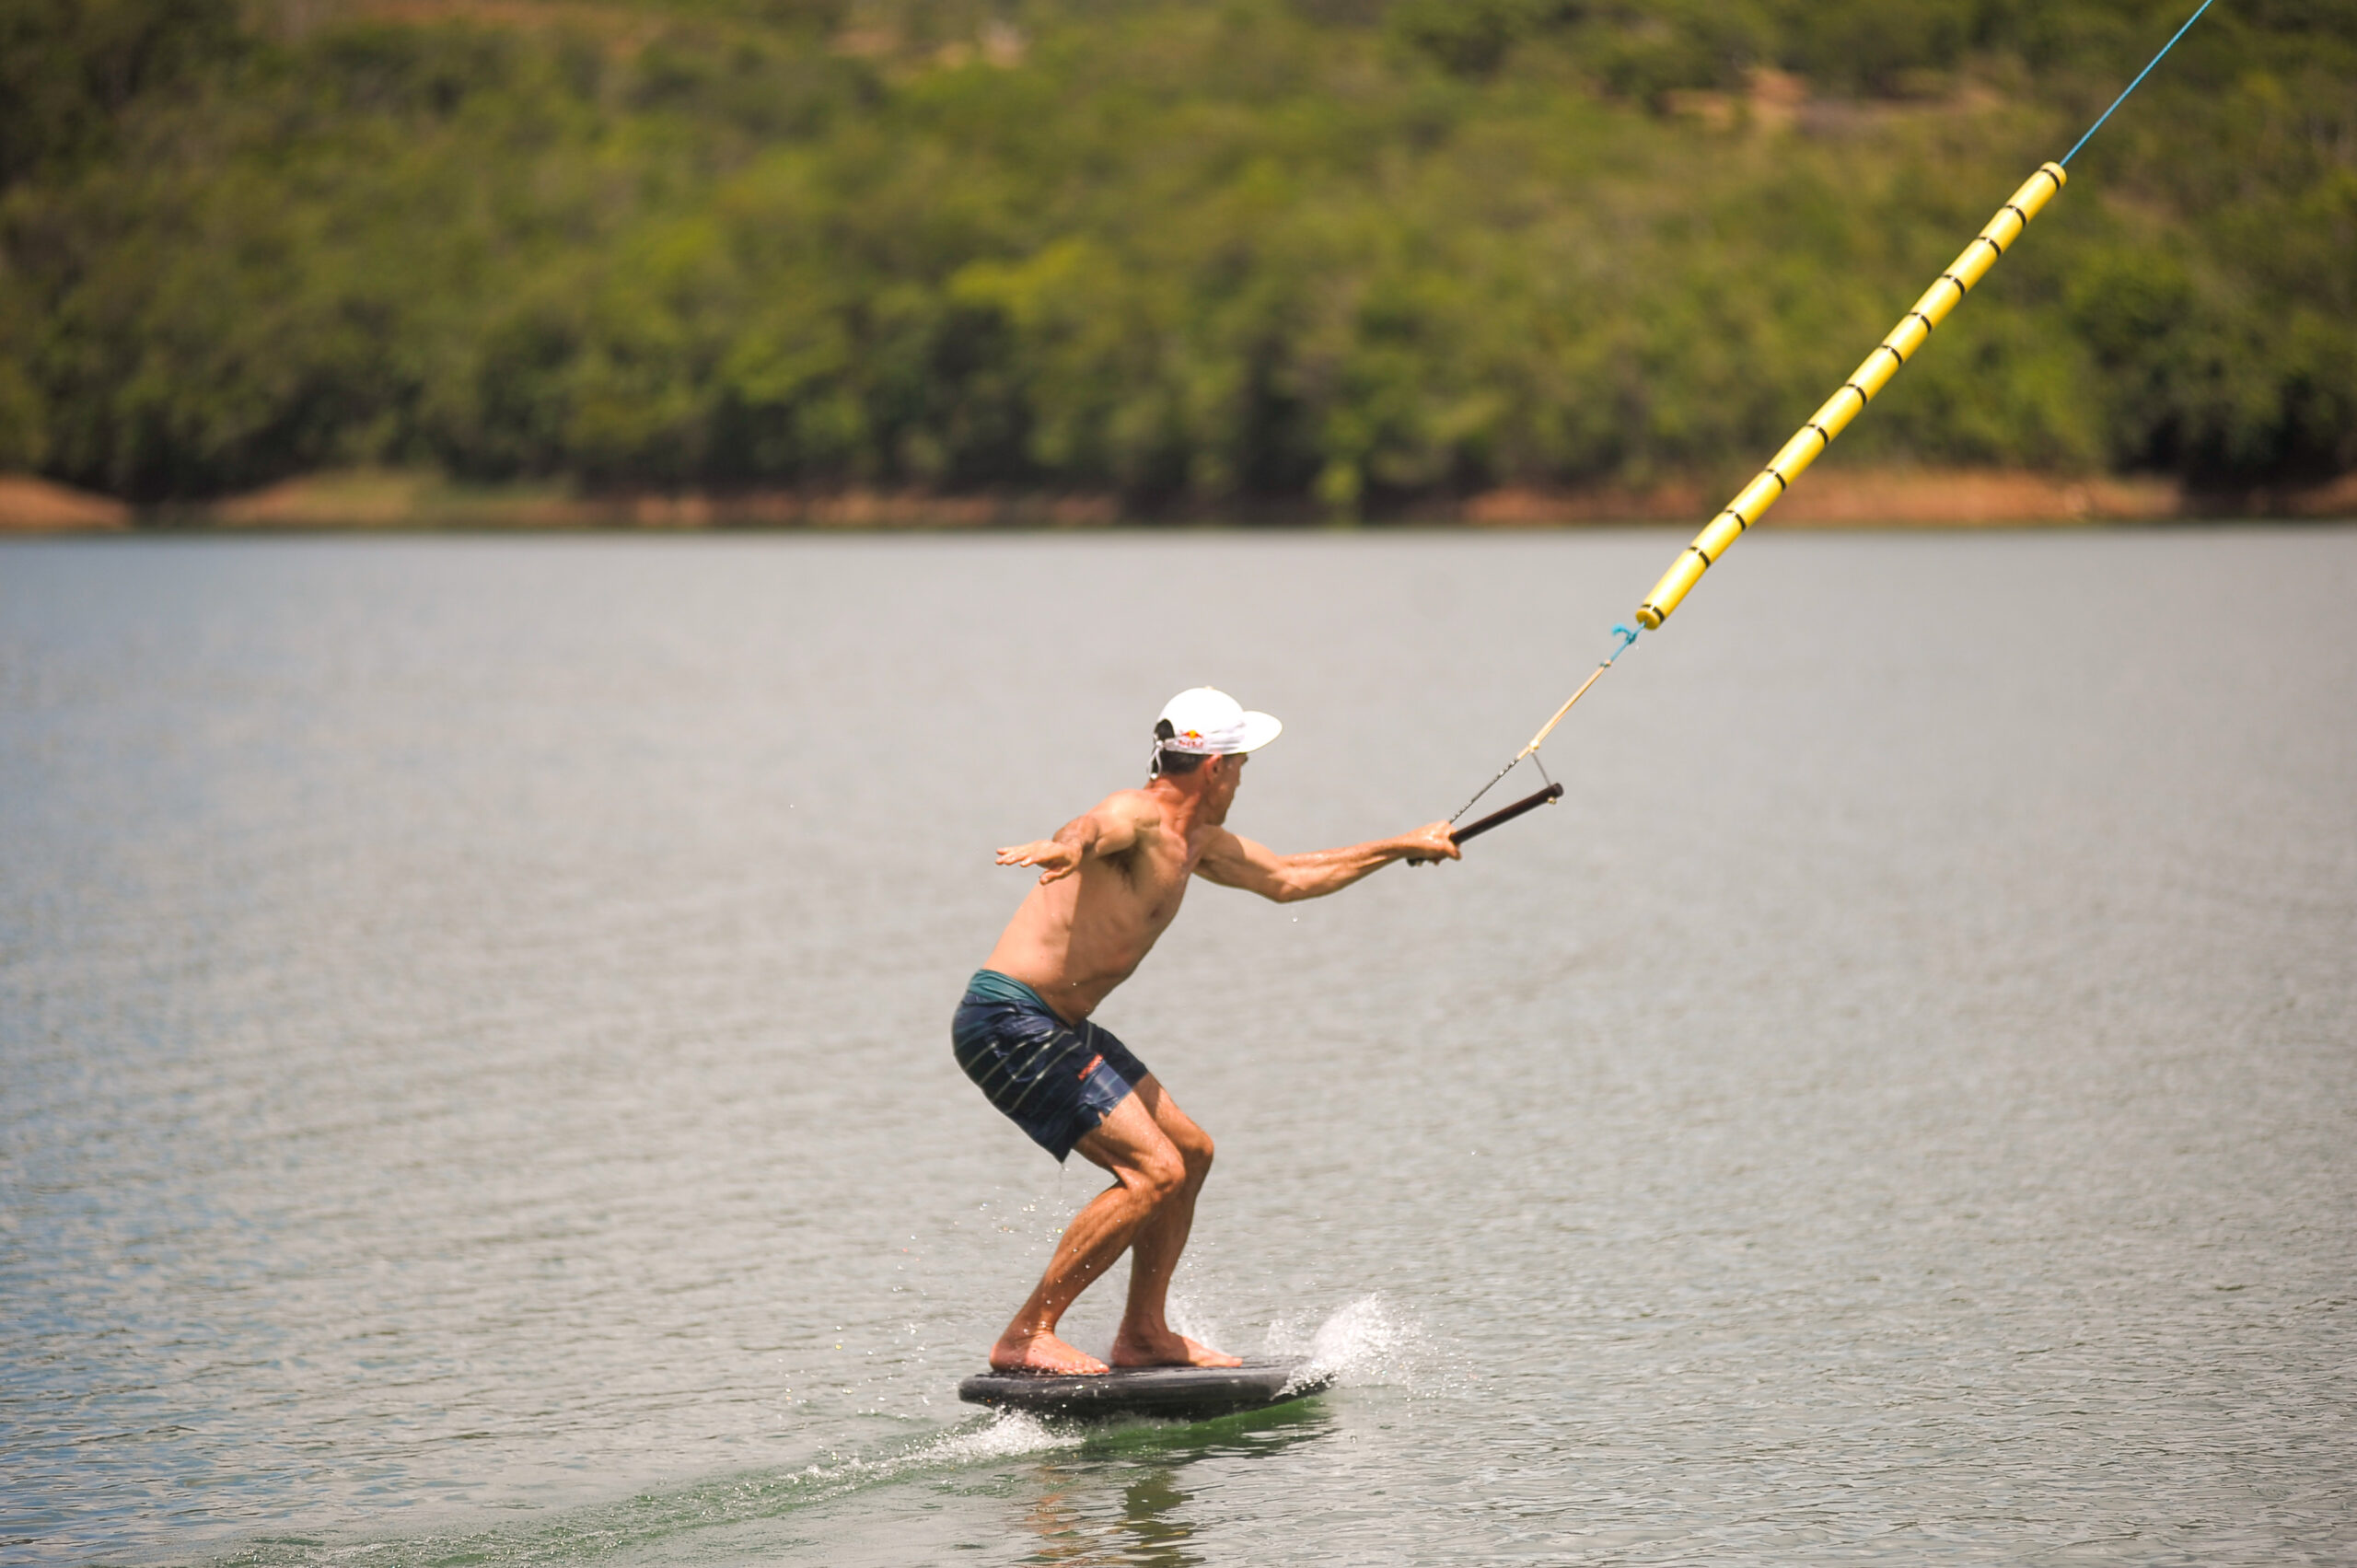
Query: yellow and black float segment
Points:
[1853, 394]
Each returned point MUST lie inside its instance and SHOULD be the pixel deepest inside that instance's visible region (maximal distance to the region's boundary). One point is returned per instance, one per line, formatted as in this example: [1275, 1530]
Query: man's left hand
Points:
[1056, 860]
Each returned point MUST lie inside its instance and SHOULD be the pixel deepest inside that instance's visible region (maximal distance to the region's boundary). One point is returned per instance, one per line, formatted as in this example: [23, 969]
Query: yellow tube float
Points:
[1814, 438]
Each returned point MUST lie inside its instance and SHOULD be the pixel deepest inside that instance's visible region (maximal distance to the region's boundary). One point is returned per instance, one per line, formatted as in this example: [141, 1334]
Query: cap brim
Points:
[1259, 730]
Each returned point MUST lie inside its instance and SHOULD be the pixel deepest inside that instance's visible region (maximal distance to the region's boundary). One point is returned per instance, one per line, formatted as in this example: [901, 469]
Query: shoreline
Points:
[391, 501]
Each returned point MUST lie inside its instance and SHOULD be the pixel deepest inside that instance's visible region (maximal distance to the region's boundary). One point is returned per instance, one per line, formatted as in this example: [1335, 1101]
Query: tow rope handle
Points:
[1498, 818]
[1548, 797]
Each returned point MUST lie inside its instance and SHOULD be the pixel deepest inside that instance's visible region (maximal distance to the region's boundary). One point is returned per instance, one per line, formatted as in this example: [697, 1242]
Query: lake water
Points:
[474, 1024]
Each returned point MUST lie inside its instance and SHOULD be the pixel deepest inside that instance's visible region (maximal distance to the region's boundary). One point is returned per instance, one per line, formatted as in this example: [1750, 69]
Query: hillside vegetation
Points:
[1190, 252]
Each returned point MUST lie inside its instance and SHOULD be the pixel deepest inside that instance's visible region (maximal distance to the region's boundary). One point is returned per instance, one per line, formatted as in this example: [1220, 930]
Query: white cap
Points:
[1207, 722]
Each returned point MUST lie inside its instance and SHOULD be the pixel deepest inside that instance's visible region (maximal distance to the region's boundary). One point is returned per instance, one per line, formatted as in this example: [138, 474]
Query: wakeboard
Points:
[1172, 1393]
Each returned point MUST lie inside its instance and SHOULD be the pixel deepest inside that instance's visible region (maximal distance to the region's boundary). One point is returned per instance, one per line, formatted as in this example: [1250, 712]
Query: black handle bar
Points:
[1553, 792]
[1508, 814]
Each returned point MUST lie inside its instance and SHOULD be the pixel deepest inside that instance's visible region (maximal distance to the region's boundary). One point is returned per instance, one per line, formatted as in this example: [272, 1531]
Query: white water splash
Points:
[1012, 1433]
[1009, 1434]
[1366, 1341]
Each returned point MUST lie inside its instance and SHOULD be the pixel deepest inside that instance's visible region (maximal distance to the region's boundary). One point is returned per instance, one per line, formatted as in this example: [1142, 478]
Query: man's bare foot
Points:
[1040, 1353]
[1168, 1350]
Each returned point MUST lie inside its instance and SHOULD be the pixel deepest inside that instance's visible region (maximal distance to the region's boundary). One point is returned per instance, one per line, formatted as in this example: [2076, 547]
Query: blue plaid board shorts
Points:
[1057, 1081]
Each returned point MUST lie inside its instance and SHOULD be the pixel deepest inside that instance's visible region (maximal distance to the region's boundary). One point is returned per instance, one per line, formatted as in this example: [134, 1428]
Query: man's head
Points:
[1203, 737]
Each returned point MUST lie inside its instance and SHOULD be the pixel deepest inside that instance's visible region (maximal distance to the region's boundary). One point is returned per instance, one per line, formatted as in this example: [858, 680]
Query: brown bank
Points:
[35, 505]
[1867, 499]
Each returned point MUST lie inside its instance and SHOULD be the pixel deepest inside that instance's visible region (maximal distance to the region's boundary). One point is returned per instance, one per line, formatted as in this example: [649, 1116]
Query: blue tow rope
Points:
[2135, 85]
[1627, 635]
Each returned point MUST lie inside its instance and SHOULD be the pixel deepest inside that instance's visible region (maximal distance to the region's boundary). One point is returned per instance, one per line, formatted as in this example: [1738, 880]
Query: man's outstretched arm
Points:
[1108, 829]
[1236, 861]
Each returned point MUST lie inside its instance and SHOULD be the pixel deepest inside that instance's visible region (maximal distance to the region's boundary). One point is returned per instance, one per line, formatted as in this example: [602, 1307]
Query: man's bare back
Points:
[1097, 909]
[1110, 883]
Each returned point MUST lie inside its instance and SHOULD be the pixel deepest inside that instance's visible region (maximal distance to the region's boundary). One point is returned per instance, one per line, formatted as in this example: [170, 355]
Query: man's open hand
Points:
[1056, 860]
[1430, 842]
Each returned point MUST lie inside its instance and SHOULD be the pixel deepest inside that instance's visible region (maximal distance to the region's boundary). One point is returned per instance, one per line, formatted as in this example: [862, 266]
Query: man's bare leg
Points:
[1145, 1338]
[1147, 1173]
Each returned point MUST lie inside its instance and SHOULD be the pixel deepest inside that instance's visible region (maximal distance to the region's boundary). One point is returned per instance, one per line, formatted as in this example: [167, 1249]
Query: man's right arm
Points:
[1108, 829]
[1236, 861]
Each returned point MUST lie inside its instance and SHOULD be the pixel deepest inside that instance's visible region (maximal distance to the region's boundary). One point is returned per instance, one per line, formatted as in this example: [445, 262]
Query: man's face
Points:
[1226, 773]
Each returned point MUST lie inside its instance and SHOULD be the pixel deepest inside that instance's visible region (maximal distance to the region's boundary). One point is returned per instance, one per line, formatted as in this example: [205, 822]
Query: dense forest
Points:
[1346, 253]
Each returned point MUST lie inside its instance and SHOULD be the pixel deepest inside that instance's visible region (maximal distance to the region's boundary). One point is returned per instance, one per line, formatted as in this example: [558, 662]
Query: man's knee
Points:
[1193, 1144]
[1159, 1173]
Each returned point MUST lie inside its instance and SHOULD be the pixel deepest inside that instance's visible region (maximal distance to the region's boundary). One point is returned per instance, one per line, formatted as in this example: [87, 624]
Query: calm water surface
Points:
[474, 1079]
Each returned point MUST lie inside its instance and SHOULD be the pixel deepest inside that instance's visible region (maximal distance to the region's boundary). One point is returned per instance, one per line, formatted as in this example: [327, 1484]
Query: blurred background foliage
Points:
[1344, 253]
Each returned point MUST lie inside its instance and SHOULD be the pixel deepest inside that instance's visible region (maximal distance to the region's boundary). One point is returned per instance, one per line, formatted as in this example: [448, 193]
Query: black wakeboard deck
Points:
[1176, 1393]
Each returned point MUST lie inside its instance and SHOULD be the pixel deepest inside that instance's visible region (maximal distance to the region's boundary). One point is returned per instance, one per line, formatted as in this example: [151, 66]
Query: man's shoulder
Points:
[1137, 815]
[1140, 806]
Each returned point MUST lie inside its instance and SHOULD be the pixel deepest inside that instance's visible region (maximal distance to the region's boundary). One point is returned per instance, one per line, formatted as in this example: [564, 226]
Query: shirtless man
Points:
[1109, 883]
